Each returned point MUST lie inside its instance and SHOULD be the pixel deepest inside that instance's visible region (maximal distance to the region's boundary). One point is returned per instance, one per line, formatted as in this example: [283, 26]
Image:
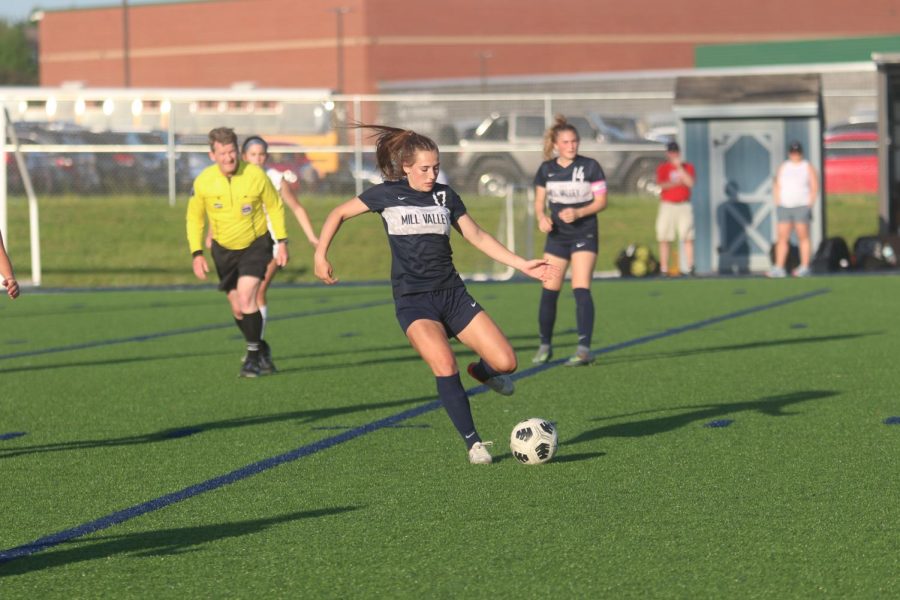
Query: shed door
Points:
[744, 156]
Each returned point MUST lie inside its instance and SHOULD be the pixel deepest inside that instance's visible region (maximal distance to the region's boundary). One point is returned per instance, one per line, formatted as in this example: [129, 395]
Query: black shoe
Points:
[266, 366]
[250, 368]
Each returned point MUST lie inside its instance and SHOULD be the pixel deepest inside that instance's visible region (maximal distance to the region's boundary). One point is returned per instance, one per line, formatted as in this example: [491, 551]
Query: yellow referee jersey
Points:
[235, 206]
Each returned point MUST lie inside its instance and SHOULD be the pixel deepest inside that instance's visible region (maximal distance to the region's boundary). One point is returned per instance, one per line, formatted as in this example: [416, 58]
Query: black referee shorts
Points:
[233, 264]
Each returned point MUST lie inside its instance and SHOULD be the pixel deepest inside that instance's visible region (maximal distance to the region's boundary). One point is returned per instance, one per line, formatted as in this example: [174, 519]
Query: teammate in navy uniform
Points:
[574, 187]
[431, 300]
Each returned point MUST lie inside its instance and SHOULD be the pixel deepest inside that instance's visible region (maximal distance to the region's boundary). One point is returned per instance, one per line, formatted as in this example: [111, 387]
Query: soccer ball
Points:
[533, 441]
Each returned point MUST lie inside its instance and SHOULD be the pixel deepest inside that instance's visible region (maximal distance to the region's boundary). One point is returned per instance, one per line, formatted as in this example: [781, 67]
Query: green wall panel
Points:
[808, 51]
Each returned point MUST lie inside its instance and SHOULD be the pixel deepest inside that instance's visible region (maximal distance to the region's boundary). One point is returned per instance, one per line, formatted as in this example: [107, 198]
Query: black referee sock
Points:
[547, 314]
[456, 403]
[251, 325]
[584, 315]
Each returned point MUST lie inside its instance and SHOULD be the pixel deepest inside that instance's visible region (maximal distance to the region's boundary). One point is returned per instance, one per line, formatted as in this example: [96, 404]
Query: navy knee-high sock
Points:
[547, 314]
[483, 371]
[456, 403]
[584, 315]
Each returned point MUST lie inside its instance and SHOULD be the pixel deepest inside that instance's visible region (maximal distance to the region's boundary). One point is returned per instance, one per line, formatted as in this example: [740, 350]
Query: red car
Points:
[851, 162]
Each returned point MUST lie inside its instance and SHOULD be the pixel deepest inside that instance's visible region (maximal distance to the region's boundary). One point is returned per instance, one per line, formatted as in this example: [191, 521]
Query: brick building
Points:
[287, 43]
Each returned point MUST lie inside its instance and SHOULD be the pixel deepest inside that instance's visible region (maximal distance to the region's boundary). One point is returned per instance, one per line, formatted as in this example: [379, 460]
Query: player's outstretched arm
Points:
[489, 245]
[290, 200]
[333, 222]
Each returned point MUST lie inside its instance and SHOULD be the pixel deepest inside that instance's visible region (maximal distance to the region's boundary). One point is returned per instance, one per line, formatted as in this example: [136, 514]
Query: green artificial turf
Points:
[140, 240]
[796, 497]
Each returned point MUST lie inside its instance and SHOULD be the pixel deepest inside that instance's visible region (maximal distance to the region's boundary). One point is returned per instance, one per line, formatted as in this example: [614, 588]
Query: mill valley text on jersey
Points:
[418, 228]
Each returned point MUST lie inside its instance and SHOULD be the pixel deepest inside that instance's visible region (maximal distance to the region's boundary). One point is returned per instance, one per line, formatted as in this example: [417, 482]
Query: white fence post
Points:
[3, 180]
[33, 220]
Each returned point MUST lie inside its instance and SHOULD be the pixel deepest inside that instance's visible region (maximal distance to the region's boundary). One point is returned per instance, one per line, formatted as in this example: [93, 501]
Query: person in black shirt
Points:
[574, 187]
[431, 300]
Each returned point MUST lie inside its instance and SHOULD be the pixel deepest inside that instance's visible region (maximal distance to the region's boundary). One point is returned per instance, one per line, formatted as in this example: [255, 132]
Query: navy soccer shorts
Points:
[453, 307]
[565, 249]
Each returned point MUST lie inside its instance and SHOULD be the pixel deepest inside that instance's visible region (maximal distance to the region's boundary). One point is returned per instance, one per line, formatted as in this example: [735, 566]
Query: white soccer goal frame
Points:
[7, 131]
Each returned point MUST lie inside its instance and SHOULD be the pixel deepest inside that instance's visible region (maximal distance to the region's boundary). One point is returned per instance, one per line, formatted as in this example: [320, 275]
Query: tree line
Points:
[18, 54]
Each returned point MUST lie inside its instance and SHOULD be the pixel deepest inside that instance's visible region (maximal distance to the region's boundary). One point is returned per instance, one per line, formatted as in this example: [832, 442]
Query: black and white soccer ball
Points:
[534, 441]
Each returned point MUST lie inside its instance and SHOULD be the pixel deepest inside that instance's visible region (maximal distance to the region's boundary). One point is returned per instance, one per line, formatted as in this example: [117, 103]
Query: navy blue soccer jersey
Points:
[418, 228]
[571, 187]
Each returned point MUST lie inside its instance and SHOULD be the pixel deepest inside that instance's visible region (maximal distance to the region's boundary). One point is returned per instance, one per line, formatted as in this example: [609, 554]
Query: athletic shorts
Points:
[453, 307]
[674, 218]
[793, 214]
[232, 264]
[565, 248]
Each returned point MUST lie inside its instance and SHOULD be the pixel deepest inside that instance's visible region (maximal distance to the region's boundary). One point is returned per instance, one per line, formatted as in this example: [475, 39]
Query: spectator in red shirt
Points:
[676, 179]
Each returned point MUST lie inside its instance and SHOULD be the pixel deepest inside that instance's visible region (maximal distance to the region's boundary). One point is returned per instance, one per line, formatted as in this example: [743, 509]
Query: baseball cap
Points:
[672, 147]
[795, 147]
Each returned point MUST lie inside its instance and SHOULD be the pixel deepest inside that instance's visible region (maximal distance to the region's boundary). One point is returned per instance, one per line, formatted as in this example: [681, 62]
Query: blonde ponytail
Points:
[560, 124]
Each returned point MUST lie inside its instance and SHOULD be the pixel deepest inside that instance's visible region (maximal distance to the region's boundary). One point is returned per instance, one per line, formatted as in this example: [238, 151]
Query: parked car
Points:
[506, 150]
[190, 164]
[69, 171]
[343, 181]
[124, 171]
[41, 167]
[851, 161]
[617, 128]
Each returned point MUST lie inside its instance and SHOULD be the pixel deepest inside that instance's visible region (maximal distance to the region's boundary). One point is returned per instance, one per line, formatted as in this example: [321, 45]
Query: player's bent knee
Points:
[505, 363]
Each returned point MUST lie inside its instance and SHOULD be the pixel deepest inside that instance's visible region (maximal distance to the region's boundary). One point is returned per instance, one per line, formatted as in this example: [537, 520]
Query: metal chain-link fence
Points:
[119, 141]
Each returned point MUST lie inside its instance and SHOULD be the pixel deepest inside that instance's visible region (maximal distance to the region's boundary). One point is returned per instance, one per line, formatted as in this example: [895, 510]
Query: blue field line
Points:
[678, 330]
[187, 330]
[137, 510]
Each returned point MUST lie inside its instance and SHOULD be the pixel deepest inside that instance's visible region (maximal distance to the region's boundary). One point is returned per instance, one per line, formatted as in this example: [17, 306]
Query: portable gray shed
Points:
[736, 131]
[888, 142]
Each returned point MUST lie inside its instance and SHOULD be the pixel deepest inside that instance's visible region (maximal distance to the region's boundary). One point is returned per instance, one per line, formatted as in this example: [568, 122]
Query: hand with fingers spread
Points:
[540, 269]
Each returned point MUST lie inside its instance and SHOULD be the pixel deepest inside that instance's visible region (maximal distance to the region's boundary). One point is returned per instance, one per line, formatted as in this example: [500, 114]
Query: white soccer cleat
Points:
[479, 455]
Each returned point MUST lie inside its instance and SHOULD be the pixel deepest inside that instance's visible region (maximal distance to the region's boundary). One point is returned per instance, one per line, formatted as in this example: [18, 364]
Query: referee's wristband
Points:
[283, 241]
[196, 253]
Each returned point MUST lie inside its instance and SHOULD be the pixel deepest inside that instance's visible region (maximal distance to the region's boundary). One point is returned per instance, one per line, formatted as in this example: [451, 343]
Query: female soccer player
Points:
[430, 298]
[255, 150]
[575, 188]
[6, 272]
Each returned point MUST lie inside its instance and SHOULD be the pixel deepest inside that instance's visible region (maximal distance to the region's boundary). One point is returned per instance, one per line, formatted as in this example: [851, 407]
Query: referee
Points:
[236, 197]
